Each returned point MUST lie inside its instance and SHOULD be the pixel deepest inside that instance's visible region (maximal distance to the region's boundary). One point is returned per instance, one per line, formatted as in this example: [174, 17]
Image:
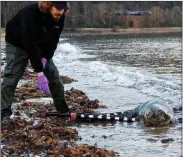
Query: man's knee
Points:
[10, 79]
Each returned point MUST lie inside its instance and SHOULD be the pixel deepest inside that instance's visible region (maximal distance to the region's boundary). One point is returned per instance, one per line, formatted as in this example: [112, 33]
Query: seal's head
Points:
[156, 113]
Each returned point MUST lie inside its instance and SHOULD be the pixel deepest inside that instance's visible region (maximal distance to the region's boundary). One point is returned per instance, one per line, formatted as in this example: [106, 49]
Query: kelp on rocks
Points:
[50, 136]
[77, 100]
[22, 137]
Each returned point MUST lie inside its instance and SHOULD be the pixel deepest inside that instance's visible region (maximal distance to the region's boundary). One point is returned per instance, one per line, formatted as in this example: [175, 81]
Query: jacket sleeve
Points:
[29, 40]
[52, 45]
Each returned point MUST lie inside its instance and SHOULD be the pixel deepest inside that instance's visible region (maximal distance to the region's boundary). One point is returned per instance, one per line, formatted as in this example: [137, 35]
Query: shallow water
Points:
[122, 71]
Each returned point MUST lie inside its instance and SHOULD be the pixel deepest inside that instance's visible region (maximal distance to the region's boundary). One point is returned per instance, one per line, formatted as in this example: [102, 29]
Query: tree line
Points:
[103, 14]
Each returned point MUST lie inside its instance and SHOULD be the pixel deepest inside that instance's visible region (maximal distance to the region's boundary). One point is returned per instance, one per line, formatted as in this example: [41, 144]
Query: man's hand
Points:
[43, 83]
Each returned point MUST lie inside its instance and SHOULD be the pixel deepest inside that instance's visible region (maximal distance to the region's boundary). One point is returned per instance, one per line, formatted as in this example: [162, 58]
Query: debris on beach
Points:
[51, 136]
[34, 134]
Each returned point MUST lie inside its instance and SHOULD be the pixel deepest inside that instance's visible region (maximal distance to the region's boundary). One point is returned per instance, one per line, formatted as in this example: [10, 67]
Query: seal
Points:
[155, 113]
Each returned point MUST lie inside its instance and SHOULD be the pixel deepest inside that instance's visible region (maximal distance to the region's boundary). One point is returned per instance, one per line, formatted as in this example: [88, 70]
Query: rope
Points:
[121, 117]
[126, 116]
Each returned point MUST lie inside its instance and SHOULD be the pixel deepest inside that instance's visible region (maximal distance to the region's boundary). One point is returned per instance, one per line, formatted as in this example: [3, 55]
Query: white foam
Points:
[68, 52]
[67, 47]
[63, 39]
[105, 75]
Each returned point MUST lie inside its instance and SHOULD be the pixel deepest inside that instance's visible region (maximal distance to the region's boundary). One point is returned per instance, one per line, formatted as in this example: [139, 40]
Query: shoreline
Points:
[111, 31]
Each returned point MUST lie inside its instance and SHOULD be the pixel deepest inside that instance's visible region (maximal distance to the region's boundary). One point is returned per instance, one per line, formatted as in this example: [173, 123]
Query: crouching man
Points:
[33, 34]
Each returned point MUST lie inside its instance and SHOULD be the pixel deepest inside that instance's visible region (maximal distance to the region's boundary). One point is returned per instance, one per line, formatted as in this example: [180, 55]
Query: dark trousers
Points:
[17, 60]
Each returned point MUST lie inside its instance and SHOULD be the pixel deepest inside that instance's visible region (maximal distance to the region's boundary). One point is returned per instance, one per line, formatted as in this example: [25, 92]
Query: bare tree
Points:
[176, 16]
[103, 13]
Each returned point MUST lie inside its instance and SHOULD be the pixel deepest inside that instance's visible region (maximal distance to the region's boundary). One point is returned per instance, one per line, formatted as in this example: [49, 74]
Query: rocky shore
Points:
[33, 134]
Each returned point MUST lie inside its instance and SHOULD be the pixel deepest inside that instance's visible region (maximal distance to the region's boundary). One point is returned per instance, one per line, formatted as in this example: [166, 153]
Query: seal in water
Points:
[155, 113]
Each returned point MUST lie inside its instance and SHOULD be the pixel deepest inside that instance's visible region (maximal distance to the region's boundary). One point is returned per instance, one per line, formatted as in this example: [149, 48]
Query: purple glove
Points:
[43, 60]
[43, 84]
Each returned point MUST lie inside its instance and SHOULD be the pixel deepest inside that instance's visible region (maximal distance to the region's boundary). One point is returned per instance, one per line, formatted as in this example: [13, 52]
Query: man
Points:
[33, 34]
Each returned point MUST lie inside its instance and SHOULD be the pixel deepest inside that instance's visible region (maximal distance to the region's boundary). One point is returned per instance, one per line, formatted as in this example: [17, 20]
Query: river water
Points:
[122, 71]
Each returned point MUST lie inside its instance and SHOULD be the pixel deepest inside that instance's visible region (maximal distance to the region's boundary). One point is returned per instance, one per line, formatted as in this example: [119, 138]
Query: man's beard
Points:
[57, 17]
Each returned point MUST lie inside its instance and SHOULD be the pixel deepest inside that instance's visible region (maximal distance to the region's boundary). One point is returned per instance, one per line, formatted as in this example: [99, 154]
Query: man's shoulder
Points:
[29, 11]
[30, 7]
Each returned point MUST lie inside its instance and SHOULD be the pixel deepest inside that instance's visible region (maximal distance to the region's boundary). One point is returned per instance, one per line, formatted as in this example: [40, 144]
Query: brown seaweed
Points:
[51, 136]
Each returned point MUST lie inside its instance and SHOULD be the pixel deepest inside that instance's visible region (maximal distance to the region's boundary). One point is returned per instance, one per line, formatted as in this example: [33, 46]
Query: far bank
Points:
[114, 31]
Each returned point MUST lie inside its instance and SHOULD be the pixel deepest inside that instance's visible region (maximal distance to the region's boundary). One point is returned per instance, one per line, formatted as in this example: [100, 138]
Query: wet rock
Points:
[87, 154]
[37, 124]
[6, 123]
[168, 140]
[152, 140]
[67, 80]
[93, 136]
[104, 136]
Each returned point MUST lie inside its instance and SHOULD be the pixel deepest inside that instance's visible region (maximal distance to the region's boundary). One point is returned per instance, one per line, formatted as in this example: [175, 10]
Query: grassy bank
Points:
[115, 31]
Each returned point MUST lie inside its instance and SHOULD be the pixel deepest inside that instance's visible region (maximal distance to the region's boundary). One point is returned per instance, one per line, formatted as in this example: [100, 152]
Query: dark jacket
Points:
[35, 32]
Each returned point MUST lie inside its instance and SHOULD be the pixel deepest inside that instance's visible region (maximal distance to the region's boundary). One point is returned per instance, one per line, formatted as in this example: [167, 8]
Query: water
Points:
[122, 71]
